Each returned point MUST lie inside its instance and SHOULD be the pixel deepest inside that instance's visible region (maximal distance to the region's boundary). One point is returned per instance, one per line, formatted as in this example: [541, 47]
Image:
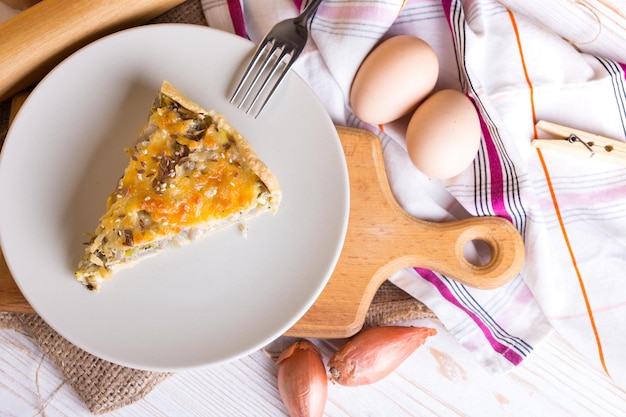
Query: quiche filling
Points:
[190, 173]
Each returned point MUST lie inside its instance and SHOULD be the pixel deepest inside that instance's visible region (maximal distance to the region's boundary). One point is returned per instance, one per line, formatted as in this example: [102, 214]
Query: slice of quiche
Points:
[190, 173]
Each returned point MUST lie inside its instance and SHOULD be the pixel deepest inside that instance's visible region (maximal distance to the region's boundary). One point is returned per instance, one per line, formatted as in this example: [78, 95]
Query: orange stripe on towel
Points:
[530, 84]
[555, 202]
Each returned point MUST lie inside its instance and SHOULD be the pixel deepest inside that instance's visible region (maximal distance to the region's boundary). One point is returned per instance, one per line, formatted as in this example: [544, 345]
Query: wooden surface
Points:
[37, 39]
[380, 240]
[604, 149]
[11, 299]
[441, 379]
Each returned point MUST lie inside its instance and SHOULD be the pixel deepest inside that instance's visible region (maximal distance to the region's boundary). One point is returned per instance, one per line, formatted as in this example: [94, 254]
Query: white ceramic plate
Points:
[211, 301]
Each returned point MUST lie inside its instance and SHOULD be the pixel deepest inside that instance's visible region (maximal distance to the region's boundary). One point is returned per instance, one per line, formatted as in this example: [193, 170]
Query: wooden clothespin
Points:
[581, 143]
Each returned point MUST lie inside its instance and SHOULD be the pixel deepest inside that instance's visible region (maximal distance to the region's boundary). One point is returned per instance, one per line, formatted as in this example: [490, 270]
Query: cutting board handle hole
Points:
[478, 252]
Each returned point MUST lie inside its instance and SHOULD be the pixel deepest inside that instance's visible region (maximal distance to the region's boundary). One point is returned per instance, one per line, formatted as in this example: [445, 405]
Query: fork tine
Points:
[286, 39]
[249, 70]
[261, 71]
[272, 73]
[284, 72]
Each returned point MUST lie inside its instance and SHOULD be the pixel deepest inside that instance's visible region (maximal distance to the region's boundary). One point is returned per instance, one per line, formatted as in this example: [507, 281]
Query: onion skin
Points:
[375, 353]
[302, 380]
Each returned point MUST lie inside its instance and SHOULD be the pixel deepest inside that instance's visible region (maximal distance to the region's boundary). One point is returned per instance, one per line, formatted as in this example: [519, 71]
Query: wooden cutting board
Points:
[381, 239]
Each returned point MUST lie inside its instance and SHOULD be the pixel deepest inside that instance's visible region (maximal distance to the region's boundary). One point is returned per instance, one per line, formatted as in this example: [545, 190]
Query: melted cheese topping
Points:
[184, 173]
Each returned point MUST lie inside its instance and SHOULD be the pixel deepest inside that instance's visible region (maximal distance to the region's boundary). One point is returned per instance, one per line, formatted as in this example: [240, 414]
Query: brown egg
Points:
[393, 79]
[443, 135]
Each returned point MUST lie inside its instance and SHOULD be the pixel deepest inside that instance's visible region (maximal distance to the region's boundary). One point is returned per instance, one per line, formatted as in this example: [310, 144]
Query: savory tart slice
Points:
[190, 173]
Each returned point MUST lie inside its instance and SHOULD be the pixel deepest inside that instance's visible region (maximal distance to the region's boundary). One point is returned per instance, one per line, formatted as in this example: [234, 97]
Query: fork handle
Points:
[308, 12]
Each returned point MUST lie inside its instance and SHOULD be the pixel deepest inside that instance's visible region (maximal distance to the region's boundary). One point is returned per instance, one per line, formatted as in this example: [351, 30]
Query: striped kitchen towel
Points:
[519, 61]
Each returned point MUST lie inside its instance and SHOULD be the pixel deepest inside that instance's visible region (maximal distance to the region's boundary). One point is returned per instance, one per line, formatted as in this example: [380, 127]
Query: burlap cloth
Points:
[104, 386]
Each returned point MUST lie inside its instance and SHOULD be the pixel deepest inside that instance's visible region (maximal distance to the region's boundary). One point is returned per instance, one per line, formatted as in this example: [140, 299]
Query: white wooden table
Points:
[439, 379]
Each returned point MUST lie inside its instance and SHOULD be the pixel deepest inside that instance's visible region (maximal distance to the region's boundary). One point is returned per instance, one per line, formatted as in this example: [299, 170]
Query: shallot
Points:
[302, 380]
[375, 353]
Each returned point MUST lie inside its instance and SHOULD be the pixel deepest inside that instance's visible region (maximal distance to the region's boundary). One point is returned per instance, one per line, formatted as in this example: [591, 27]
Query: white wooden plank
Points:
[439, 379]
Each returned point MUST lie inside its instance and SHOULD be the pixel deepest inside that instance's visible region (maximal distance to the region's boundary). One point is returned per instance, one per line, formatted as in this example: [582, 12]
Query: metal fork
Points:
[274, 56]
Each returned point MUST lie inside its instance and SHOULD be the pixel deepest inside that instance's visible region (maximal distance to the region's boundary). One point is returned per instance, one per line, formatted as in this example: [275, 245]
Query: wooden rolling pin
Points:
[37, 39]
